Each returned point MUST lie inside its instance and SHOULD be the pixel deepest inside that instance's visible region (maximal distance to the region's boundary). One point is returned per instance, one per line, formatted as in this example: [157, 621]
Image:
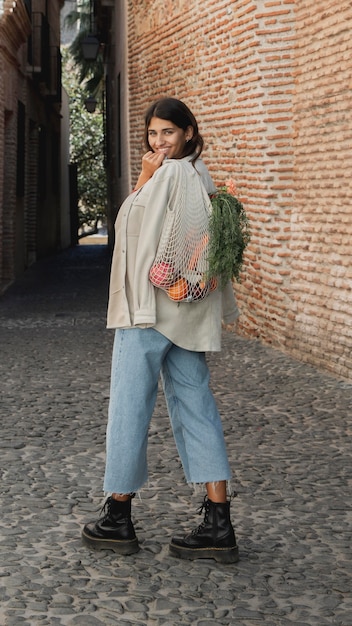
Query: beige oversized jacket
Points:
[133, 300]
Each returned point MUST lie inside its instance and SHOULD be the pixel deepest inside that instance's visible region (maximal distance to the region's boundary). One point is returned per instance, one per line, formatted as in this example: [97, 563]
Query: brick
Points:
[20, 239]
[270, 85]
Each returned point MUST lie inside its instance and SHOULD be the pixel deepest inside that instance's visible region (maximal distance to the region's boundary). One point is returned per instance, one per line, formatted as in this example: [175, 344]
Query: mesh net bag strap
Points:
[180, 267]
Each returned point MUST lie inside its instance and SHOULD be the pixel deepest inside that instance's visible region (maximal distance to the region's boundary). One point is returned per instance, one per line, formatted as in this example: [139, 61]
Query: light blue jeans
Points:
[139, 357]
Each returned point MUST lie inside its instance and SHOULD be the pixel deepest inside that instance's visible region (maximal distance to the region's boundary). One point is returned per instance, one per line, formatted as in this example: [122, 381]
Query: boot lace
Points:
[105, 511]
[205, 507]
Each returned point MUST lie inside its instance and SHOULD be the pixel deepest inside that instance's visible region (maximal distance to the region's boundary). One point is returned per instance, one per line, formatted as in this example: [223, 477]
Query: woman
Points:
[158, 336]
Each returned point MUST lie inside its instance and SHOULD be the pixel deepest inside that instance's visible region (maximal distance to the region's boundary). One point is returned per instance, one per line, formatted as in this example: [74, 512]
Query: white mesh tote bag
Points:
[180, 266]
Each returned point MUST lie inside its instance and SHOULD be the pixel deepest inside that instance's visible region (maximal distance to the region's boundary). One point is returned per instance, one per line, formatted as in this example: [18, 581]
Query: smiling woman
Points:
[168, 140]
[174, 117]
[160, 334]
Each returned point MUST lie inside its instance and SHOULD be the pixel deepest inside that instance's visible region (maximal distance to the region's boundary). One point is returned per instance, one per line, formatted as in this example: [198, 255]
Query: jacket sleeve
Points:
[230, 311]
[156, 198]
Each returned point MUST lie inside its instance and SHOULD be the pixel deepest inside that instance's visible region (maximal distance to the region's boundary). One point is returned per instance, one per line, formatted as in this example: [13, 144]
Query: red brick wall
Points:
[270, 85]
[321, 233]
[2, 160]
[27, 228]
[12, 36]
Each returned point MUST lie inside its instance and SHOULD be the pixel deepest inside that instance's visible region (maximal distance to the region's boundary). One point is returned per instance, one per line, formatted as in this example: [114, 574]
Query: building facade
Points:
[33, 219]
[270, 85]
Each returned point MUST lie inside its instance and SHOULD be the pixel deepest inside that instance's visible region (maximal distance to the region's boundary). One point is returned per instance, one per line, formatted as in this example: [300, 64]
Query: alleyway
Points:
[288, 429]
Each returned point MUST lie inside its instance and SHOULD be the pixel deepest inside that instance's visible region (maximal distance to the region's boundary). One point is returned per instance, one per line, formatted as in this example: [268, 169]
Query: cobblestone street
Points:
[288, 429]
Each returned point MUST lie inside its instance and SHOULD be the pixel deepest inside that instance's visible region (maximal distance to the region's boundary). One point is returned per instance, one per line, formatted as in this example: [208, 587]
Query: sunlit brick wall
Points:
[320, 328]
[270, 85]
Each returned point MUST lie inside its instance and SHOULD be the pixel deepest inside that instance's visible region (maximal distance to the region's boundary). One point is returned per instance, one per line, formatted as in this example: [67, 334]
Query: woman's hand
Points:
[151, 161]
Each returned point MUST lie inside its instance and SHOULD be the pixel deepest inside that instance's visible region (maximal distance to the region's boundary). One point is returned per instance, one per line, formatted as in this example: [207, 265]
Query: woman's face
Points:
[166, 138]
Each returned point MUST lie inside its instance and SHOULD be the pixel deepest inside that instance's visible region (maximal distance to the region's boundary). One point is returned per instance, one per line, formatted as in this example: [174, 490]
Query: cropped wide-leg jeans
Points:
[140, 357]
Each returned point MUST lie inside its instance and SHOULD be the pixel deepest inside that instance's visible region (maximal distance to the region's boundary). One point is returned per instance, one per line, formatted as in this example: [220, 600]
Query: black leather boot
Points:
[213, 539]
[114, 530]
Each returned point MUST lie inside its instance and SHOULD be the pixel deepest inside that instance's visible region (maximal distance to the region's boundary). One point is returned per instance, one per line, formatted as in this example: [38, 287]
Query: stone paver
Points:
[288, 428]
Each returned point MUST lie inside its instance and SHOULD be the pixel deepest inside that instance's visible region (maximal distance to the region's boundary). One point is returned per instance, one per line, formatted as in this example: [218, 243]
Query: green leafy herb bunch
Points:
[229, 235]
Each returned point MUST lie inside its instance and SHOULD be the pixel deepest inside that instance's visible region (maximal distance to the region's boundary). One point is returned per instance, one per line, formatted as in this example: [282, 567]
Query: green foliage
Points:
[87, 146]
[90, 73]
[229, 236]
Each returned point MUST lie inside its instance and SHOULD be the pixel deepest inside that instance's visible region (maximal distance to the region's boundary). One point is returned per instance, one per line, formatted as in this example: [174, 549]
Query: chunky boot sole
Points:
[221, 555]
[124, 547]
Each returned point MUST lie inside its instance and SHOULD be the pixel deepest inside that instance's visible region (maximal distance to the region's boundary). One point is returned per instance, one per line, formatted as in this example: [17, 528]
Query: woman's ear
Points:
[189, 133]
